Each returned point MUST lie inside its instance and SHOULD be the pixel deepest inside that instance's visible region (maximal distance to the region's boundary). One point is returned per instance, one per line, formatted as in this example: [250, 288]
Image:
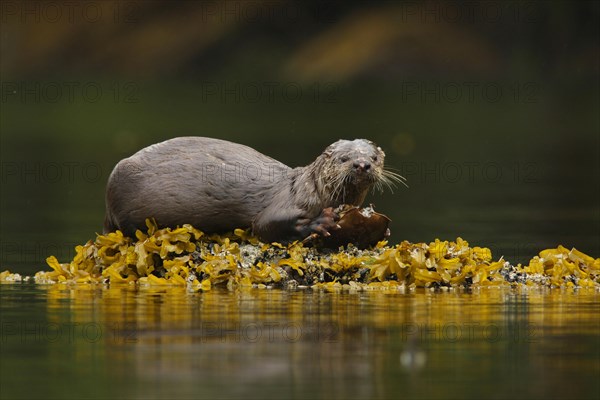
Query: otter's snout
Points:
[361, 165]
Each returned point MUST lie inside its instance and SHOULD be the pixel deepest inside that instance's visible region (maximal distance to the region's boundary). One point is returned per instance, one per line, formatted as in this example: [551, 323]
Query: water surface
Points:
[120, 342]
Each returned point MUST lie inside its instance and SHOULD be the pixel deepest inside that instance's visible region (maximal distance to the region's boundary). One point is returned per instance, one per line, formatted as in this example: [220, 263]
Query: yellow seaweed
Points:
[184, 256]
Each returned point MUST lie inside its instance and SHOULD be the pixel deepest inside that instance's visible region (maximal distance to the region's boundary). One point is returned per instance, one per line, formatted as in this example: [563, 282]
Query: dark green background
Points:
[489, 109]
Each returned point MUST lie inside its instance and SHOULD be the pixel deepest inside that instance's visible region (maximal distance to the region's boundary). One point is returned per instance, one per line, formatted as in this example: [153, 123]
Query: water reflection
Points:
[262, 343]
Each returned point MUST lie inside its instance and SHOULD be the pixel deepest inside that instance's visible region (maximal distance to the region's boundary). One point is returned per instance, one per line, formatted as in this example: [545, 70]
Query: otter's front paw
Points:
[322, 225]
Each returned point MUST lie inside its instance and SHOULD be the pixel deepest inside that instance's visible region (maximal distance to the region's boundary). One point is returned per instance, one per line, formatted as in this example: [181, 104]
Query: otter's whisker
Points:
[392, 173]
[341, 189]
[337, 185]
[385, 181]
[391, 178]
[378, 186]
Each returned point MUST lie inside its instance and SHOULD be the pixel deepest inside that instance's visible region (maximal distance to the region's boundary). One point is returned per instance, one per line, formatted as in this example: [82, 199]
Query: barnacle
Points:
[184, 256]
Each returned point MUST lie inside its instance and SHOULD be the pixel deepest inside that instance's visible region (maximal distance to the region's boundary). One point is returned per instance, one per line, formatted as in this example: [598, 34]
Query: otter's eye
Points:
[344, 158]
[374, 158]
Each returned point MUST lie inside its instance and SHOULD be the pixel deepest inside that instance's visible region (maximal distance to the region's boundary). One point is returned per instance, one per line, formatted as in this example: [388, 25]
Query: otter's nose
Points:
[362, 165]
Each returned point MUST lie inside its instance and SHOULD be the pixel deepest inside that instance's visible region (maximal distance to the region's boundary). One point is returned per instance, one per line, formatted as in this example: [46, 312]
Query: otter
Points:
[218, 186]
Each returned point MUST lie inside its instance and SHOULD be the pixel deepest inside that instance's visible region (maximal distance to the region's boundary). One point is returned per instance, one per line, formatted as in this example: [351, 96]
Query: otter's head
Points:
[349, 169]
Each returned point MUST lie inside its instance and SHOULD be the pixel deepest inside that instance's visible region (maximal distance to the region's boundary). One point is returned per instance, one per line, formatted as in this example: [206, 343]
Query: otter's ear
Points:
[380, 150]
[328, 151]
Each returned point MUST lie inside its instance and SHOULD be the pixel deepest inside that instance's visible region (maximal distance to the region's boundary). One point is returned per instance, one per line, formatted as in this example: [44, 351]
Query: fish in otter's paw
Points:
[218, 186]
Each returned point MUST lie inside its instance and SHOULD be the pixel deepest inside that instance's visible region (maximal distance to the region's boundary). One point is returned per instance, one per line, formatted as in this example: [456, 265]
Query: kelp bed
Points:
[187, 257]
